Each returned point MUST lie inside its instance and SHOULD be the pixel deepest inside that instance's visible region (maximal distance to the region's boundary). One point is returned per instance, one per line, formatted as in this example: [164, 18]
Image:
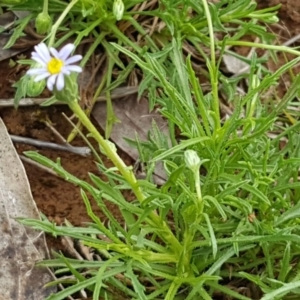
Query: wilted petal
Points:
[74, 69]
[66, 51]
[60, 82]
[73, 59]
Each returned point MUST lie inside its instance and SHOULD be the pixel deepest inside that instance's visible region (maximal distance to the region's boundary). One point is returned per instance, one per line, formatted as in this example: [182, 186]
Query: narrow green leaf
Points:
[282, 291]
[72, 289]
[227, 291]
[292, 213]
[285, 263]
[137, 286]
[181, 146]
[213, 240]
[217, 205]
[99, 277]
[18, 31]
[257, 193]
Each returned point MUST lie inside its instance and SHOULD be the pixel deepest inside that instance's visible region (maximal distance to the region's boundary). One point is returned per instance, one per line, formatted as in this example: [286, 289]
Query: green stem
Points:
[211, 33]
[115, 158]
[162, 228]
[173, 290]
[45, 7]
[262, 46]
[59, 21]
[124, 38]
[198, 191]
[141, 30]
[212, 67]
[92, 48]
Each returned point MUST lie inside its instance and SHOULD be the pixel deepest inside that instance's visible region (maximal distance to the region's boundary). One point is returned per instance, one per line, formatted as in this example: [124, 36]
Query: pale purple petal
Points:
[66, 51]
[51, 81]
[43, 52]
[52, 78]
[37, 71]
[39, 60]
[49, 85]
[65, 70]
[73, 59]
[54, 52]
[74, 69]
[41, 77]
[36, 57]
[60, 82]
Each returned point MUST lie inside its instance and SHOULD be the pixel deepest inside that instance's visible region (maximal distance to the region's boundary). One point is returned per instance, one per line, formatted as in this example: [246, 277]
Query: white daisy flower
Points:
[54, 66]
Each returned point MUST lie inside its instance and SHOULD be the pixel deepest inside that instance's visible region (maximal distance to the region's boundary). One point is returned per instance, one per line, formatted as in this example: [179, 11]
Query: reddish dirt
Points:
[56, 198]
[290, 10]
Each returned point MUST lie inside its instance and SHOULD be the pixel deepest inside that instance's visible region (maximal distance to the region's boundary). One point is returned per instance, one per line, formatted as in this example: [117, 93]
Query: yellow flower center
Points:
[54, 65]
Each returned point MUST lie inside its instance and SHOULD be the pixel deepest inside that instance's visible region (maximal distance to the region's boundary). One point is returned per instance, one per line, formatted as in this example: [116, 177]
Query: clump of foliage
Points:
[225, 222]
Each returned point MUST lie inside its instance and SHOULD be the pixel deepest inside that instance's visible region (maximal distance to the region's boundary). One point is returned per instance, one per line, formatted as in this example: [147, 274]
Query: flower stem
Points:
[212, 67]
[263, 46]
[59, 21]
[45, 7]
[198, 191]
[162, 228]
[115, 158]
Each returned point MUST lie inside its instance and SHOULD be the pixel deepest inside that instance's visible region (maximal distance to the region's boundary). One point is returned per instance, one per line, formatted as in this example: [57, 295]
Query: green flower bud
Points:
[192, 160]
[272, 20]
[34, 89]
[118, 9]
[43, 23]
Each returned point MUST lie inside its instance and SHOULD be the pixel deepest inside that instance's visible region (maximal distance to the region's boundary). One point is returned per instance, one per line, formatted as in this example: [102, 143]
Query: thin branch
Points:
[117, 93]
[83, 151]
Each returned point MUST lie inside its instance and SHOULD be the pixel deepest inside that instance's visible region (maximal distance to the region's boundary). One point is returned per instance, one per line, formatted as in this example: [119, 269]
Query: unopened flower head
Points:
[118, 9]
[54, 65]
[192, 160]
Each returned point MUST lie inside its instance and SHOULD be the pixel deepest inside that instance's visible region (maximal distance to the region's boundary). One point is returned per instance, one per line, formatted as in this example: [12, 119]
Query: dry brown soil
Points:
[55, 198]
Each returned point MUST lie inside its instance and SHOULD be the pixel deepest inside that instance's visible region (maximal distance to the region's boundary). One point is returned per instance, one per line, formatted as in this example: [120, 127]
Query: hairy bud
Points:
[43, 23]
[118, 9]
